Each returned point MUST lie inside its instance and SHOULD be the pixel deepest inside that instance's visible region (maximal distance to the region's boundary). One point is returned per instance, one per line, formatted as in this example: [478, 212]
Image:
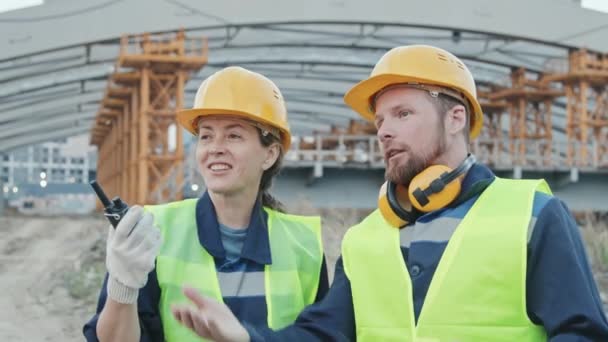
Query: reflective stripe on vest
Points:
[290, 282]
[478, 289]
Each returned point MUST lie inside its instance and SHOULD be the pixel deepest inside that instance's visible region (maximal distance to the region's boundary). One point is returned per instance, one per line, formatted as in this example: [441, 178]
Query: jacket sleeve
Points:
[323, 282]
[330, 319]
[562, 295]
[147, 307]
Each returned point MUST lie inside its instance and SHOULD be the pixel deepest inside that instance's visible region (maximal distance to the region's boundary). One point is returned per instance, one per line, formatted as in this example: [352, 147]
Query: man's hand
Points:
[209, 319]
[130, 254]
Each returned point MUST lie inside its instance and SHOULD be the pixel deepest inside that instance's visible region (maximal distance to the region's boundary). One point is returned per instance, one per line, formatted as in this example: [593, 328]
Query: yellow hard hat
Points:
[235, 91]
[417, 65]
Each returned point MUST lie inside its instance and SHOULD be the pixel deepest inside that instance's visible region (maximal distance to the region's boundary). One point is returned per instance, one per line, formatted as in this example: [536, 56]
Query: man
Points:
[476, 258]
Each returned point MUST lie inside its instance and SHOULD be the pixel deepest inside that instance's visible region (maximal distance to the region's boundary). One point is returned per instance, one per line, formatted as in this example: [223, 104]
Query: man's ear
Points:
[272, 154]
[456, 120]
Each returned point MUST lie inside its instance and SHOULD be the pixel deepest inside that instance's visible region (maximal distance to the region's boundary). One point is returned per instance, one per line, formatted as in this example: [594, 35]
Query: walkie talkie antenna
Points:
[102, 195]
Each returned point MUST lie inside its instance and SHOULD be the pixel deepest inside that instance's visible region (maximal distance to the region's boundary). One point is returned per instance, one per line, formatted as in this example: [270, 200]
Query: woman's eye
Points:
[204, 137]
[234, 136]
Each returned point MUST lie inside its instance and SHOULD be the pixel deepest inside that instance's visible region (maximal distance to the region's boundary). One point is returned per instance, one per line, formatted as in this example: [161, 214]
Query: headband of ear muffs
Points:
[432, 189]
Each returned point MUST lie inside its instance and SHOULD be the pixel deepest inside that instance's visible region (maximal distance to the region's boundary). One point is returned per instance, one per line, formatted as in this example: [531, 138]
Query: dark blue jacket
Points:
[561, 293]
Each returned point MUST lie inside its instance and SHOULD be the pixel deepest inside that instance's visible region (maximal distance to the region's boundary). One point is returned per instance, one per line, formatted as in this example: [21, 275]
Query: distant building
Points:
[50, 177]
[68, 161]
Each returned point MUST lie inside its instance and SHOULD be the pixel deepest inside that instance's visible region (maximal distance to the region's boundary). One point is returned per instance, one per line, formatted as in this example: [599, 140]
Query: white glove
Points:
[130, 254]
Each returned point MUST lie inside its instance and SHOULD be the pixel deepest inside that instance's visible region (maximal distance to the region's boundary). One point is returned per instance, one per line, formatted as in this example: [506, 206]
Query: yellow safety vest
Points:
[478, 291]
[291, 280]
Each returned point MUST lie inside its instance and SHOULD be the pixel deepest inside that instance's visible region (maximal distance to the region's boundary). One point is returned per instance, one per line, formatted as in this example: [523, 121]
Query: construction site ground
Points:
[51, 269]
[50, 274]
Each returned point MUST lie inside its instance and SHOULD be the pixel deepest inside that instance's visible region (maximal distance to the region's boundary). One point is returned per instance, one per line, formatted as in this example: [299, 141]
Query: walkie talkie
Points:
[114, 210]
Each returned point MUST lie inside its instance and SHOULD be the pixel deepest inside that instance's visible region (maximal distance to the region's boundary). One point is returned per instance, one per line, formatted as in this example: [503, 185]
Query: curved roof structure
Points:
[56, 57]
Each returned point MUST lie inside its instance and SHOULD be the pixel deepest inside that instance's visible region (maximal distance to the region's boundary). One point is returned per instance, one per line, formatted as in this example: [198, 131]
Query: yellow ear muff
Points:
[387, 210]
[430, 190]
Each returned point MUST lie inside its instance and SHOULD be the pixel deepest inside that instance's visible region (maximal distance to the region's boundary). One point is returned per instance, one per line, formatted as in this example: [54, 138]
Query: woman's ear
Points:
[272, 154]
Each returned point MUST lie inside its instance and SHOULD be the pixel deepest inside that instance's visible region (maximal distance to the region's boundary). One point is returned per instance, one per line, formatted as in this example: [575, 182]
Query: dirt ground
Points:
[49, 276]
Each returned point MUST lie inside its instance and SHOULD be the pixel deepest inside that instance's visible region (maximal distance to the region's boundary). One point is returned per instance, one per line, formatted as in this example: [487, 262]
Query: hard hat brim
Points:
[187, 118]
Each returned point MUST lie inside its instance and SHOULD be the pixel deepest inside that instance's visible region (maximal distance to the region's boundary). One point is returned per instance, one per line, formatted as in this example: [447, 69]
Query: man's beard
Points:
[416, 163]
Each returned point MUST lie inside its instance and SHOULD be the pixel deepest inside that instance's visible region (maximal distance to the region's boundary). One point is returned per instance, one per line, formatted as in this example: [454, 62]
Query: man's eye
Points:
[404, 113]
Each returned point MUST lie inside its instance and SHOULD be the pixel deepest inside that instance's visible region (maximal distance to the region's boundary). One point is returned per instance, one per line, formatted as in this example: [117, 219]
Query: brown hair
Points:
[267, 199]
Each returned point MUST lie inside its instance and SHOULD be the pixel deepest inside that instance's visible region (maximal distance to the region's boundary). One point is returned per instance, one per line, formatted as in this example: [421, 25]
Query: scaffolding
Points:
[529, 105]
[141, 150]
[489, 144]
[586, 87]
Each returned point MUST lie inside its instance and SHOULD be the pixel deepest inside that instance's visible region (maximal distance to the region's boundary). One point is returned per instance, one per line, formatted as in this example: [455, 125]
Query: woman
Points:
[233, 244]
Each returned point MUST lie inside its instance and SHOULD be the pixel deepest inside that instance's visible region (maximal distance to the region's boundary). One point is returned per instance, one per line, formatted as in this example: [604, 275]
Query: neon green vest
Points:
[291, 280]
[478, 289]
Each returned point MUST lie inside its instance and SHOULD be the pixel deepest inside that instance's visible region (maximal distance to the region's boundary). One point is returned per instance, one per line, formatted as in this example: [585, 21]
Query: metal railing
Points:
[167, 44]
[363, 151]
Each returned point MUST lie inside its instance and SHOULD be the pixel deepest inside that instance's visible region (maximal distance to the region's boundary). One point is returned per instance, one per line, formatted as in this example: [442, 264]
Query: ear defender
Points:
[432, 189]
[388, 203]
